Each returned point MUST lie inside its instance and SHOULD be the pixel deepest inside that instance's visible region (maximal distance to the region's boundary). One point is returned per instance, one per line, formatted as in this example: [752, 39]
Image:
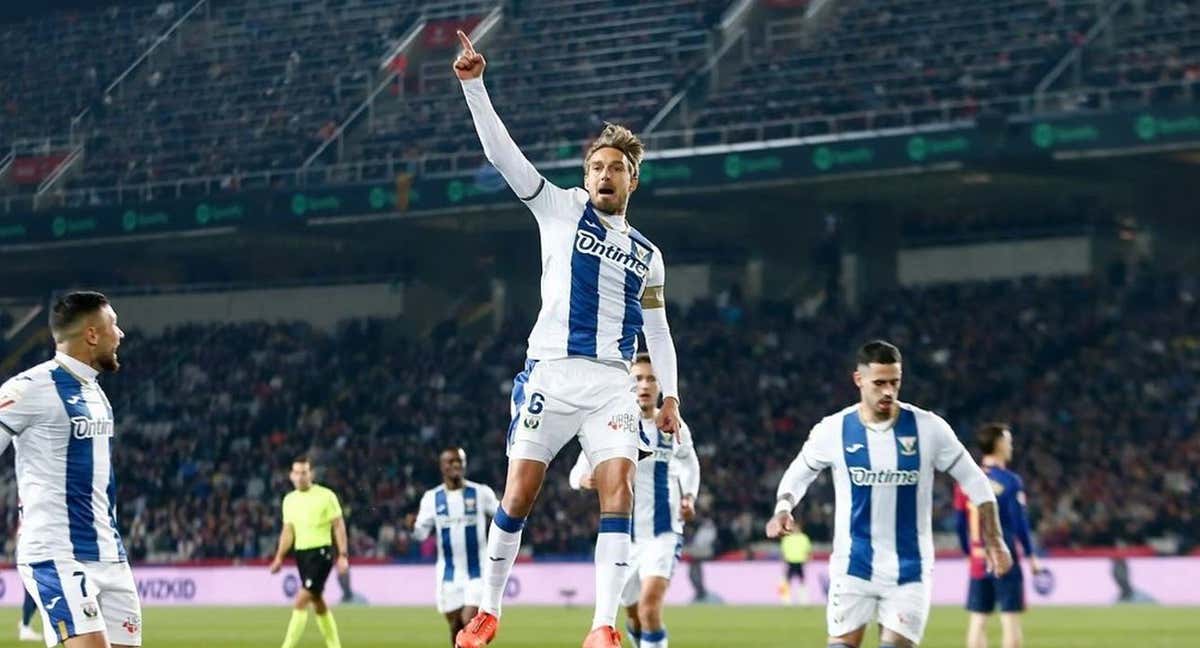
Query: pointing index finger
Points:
[468, 48]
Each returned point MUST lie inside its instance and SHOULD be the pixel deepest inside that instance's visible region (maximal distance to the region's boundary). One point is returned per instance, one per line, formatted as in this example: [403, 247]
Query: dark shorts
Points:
[1006, 592]
[314, 565]
[795, 570]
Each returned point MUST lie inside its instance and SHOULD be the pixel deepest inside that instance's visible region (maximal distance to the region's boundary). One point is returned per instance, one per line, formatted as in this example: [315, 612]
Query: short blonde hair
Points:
[620, 138]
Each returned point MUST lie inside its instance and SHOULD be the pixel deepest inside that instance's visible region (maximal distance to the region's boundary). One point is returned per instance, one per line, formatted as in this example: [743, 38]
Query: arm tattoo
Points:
[989, 523]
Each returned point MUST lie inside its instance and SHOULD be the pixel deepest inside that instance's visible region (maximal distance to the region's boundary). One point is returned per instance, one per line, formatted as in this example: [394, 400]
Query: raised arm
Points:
[498, 145]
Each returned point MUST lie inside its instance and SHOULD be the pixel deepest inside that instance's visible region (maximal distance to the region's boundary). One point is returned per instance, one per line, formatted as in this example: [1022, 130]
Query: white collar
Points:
[84, 372]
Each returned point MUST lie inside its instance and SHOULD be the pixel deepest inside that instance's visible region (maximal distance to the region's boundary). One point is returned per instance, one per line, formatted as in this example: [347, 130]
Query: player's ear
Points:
[633, 184]
[858, 378]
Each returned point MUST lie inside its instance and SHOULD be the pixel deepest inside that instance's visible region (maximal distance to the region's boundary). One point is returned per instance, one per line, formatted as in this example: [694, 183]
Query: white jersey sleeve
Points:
[19, 409]
[426, 516]
[547, 201]
[489, 502]
[950, 456]
[689, 463]
[816, 455]
[581, 469]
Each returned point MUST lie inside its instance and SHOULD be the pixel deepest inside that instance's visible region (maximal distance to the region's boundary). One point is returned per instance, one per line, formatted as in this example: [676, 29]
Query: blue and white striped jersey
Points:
[594, 271]
[883, 486]
[661, 479]
[62, 424]
[595, 267]
[458, 517]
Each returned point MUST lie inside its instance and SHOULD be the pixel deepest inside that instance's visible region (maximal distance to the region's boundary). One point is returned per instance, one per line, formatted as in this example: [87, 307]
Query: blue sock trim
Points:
[507, 523]
[616, 524]
[636, 635]
[654, 635]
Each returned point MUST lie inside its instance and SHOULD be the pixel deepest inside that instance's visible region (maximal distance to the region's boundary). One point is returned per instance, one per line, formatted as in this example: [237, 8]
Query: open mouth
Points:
[606, 191]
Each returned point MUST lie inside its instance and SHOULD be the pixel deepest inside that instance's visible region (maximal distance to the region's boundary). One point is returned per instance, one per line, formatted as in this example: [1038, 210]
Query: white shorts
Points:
[454, 595]
[854, 602]
[76, 598]
[556, 400]
[653, 557]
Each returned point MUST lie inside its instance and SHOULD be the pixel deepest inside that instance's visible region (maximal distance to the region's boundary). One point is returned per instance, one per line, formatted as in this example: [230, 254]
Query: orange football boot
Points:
[479, 632]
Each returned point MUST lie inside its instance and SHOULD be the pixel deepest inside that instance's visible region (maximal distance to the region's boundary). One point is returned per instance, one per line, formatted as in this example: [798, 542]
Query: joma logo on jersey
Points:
[588, 243]
[864, 477]
[86, 428]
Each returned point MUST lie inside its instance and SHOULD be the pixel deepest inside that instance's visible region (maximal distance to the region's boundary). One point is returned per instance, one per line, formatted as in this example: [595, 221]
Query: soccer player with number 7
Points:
[602, 284]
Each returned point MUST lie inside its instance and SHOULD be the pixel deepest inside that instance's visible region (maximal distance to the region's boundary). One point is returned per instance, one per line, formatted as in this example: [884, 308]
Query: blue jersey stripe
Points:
[908, 457]
[662, 493]
[80, 471]
[442, 508]
[631, 325]
[470, 509]
[862, 554]
[50, 587]
[518, 399]
[585, 292]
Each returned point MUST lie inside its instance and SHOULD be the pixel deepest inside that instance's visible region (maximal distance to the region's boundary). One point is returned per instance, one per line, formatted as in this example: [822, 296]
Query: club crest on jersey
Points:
[588, 243]
[469, 505]
[88, 428]
[89, 610]
[908, 445]
[997, 487]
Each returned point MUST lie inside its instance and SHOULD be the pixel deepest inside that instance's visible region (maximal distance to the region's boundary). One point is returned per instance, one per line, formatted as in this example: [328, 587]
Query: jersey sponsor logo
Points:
[864, 477]
[908, 445]
[588, 243]
[132, 624]
[854, 448]
[88, 428]
[627, 422]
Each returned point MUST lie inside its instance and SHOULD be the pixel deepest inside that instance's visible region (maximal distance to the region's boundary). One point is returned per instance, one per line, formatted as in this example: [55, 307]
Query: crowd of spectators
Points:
[1099, 383]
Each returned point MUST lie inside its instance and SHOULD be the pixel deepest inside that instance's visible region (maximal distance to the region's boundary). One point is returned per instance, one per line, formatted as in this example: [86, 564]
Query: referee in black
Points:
[313, 524]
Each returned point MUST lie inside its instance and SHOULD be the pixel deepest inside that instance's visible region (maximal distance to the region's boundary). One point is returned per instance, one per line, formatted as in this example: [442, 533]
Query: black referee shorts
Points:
[795, 570]
[314, 565]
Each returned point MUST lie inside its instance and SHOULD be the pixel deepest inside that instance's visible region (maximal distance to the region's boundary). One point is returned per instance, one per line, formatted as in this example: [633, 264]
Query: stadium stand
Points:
[555, 82]
[218, 412]
[897, 63]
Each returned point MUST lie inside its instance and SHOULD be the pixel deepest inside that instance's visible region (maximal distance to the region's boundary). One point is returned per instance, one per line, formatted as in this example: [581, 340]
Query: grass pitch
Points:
[690, 627]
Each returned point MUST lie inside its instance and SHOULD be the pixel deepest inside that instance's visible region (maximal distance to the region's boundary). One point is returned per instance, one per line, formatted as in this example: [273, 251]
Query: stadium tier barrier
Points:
[1098, 581]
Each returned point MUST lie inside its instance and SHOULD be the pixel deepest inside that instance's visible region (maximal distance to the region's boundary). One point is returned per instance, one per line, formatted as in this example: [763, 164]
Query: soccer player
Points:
[882, 453]
[665, 487]
[69, 552]
[601, 284]
[796, 548]
[987, 591]
[312, 524]
[456, 510]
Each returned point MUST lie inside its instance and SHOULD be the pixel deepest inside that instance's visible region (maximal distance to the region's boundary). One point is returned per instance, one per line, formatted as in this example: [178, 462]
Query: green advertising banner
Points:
[662, 176]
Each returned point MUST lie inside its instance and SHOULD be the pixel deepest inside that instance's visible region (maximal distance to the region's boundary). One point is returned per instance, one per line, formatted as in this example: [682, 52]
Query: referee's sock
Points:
[295, 628]
[328, 629]
[504, 542]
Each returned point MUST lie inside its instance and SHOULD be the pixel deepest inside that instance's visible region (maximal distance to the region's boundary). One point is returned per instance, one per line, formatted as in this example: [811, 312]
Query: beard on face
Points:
[108, 362]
